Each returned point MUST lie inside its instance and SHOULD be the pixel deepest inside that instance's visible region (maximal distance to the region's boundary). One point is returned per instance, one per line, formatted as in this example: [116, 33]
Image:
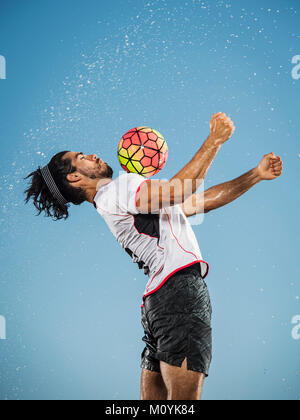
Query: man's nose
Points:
[92, 157]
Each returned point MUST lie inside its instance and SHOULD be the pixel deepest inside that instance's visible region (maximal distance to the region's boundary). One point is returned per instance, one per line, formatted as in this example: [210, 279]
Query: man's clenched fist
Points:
[221, 128]
[270, 167]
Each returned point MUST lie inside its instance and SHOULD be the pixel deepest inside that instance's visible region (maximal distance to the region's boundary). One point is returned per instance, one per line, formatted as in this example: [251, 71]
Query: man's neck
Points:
[96, 187]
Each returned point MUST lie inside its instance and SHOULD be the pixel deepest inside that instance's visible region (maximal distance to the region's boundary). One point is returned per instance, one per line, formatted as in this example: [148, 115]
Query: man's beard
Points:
[103, 172]
[109, 172]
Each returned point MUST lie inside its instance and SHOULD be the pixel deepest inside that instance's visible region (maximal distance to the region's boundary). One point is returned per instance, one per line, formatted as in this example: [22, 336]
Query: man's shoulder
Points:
[118, 195]
[129, 176]
[128, 182]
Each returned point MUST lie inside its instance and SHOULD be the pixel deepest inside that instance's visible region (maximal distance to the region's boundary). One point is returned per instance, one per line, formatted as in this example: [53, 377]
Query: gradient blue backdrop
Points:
[80, 74]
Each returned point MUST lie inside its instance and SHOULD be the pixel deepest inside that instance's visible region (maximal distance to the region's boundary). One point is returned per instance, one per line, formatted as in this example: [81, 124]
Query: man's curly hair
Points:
[43, 200]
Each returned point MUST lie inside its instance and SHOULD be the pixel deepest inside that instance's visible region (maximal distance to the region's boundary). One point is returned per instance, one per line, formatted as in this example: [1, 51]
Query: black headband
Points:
[48, 178]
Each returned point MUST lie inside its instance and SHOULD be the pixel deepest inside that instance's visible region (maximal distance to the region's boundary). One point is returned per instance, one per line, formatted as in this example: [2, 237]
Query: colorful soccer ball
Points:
[143, 151]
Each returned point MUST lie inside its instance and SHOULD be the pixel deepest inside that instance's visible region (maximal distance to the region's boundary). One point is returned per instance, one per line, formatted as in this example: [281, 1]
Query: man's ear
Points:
[74, 177]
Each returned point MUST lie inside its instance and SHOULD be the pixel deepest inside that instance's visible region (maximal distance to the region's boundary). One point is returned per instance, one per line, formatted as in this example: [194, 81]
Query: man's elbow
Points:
[207, 210]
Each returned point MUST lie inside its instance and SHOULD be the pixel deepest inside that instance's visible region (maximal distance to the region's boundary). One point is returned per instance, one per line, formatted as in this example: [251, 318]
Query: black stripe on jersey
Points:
[147, 224]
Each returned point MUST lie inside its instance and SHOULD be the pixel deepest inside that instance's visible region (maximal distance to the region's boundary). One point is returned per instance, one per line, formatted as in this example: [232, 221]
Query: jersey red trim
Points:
[158, 272]
[188, 252]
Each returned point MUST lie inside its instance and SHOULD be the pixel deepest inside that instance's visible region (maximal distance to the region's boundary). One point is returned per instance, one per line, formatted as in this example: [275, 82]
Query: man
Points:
[149, 220]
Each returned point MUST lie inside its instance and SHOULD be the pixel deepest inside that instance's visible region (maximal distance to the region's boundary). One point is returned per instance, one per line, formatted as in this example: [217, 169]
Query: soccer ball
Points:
[143, 151]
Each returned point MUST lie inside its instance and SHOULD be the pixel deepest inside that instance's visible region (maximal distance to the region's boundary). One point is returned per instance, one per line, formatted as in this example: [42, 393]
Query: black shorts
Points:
[177, 323]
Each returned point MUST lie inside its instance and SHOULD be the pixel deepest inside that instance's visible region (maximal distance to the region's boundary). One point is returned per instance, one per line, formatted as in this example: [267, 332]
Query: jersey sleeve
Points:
[128, 187]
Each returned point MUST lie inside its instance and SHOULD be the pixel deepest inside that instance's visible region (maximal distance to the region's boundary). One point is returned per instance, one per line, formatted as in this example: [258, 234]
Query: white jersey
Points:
[161, 243]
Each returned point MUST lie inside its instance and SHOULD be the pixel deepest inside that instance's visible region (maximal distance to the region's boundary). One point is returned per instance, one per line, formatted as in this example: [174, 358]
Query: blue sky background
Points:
[79, 75]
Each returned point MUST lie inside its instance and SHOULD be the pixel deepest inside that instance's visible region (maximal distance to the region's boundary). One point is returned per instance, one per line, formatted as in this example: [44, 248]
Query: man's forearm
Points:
[193, 174]
[220, 195]
[196, 170]
[181, 186]
[223, 194]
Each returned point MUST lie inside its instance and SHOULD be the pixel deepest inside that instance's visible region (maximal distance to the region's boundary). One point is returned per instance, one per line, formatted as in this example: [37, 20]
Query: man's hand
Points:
[270, 167]
[221, 128]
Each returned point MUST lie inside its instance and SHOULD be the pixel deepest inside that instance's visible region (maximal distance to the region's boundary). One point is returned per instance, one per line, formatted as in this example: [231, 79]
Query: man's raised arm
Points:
[269, 168]
[155, 195]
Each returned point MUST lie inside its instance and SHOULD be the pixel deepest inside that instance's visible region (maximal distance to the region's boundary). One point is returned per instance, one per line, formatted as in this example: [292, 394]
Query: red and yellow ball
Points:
[143, 151]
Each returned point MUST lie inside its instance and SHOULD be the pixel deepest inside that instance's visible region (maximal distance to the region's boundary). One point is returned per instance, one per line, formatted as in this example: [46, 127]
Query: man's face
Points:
[90, 165]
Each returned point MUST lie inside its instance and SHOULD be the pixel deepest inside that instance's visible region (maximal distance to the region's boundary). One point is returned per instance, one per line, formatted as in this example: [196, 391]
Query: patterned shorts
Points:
[177, 323]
